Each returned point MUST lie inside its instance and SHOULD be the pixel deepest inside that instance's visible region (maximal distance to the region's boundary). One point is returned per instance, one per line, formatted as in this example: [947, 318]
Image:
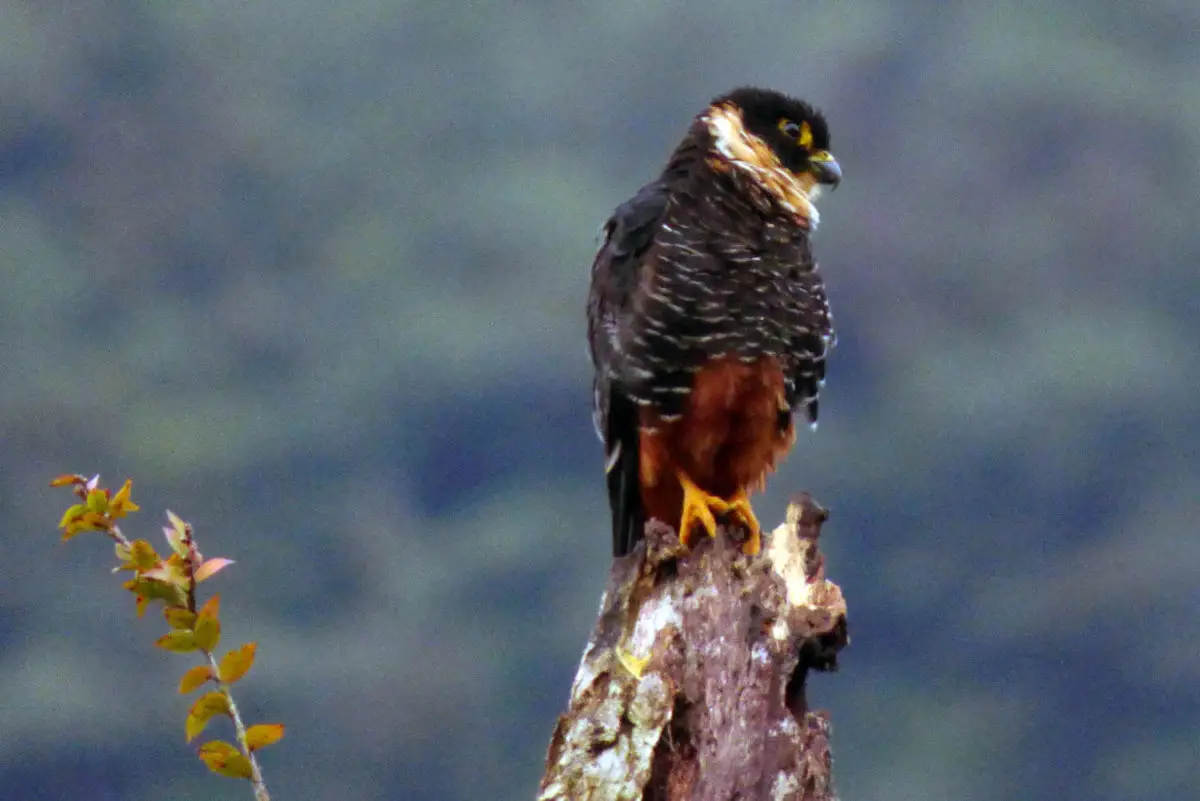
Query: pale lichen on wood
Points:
[692, 685]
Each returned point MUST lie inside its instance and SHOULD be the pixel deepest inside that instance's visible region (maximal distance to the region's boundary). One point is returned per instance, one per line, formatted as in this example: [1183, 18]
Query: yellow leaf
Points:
[124, 553]
[177, 523]
[211, 607]
[121, 504]
[178, 641]
[203, 709]
[72, 531]
[74, 513]
[235, 766]
[94, 521]
[141, 603]
[67, 478]
[157, 590]
[169, 574]
[218, 749]
[175, 540]
[207, 632]
[208, 625]
[194, 679]
[179, 618]
[237, 663]
[143, 555]
[263, 734]
[211, 568]
[97, 501]
[194, 726]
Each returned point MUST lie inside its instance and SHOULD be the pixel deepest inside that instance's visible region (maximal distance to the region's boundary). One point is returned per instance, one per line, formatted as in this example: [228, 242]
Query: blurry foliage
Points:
[172, 582]
[322, 268]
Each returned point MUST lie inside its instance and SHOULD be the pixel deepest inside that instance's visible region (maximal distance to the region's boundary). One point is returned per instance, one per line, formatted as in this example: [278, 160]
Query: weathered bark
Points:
[692, 686]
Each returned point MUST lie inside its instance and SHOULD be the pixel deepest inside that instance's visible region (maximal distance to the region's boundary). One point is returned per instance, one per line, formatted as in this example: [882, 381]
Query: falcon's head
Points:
[778, 141]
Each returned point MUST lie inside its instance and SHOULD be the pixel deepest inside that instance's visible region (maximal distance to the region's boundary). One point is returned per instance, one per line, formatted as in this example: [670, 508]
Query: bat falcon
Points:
[708, 324]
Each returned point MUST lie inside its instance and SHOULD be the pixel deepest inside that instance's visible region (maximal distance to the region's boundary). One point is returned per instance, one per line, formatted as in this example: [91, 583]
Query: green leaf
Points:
[97, 501]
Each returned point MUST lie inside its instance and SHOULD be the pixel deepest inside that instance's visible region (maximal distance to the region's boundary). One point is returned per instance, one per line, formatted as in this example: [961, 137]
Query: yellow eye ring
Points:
[800, 133]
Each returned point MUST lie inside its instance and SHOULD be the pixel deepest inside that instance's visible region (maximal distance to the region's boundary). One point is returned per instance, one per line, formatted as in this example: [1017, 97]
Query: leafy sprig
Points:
[172, 581]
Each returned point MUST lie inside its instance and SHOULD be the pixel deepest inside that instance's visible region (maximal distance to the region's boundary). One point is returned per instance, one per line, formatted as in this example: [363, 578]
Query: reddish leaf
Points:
[67, 478]
[237, 663]
[263, 734]
[211, 568]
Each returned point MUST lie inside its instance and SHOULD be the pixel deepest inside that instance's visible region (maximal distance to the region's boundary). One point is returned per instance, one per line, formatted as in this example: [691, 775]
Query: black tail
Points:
[621, 466]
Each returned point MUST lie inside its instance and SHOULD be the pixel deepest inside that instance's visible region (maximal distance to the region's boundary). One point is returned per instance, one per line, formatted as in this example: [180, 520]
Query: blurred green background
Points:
[313, 275]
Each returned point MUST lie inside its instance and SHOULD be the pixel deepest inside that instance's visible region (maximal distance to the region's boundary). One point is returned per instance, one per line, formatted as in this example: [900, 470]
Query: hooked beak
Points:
[825, 168]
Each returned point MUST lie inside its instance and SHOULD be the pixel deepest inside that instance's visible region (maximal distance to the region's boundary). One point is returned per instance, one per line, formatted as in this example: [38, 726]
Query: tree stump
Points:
[692, 686]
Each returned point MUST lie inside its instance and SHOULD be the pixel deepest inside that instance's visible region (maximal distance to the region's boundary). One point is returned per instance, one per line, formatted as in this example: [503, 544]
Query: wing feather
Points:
[616, 272]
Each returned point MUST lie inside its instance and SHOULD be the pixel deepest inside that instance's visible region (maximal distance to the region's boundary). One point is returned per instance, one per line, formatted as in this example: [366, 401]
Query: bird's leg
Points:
[698, 507]
[740, 507]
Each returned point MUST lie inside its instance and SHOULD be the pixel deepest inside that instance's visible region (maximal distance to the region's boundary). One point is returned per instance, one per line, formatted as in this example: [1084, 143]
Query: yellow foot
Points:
[740, 507]
[698, 507]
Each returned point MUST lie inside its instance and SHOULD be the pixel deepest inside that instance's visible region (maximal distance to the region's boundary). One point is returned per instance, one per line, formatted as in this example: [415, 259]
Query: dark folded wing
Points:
[616, 273]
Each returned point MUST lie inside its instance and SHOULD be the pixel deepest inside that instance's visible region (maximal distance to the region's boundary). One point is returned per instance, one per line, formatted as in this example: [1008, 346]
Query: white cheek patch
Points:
[730, 137]
[731, 141]
[723, 131]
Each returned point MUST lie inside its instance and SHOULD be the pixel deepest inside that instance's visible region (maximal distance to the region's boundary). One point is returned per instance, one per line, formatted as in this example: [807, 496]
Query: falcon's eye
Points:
[798, 132]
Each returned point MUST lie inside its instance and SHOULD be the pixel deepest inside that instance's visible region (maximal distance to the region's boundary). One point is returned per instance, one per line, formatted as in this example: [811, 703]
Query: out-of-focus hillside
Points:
[313, 274]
